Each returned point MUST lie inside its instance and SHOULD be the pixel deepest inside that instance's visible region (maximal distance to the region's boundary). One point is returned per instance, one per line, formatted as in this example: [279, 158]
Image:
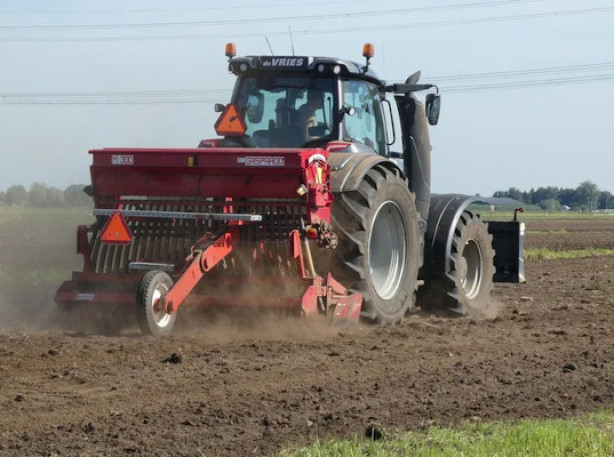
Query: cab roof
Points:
[302, 64]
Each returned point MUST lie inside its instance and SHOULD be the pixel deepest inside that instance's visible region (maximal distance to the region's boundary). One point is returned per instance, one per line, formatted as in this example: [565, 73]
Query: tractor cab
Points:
[303, 102]
[335, 104]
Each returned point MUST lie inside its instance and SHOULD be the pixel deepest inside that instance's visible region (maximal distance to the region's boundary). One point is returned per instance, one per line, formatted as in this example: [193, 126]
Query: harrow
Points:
[242, 221]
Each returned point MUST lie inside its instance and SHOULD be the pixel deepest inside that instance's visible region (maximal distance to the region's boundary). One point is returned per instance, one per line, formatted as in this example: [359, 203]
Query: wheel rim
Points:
[161, 317]
[387, 250]
[471, 269]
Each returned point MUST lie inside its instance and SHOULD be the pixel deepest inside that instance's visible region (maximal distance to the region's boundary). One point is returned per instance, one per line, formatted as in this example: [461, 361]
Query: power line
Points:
[535, 71]
[309, 17]
[516, 80]
[362, 28]
[529, 83]
[170, 10]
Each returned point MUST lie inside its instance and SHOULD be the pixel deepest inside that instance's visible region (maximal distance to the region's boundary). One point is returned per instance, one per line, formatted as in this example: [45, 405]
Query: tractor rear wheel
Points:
[151, 316]
[379, 251]
[467, 288]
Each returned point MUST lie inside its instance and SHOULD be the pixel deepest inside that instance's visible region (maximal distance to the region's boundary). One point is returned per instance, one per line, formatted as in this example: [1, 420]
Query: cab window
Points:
[365, 123]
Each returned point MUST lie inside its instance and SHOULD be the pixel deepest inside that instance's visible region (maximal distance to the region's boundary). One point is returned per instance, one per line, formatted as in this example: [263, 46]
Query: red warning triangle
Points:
[230, 123]
[116, 231]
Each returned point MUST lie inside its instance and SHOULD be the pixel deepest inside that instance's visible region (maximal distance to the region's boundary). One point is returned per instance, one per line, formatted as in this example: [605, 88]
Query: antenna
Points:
[270, 47]
[291, 39]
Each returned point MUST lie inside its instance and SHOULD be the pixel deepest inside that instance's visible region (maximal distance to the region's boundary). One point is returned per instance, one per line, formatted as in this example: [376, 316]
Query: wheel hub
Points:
[387, 250]
[470, 269]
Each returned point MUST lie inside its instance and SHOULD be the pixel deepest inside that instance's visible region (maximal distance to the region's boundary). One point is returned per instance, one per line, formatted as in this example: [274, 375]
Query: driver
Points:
[315, 101]
[305, 120]
[307, 113]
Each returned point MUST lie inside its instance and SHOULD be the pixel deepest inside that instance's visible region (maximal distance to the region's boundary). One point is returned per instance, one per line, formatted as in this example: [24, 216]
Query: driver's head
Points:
[315, 98]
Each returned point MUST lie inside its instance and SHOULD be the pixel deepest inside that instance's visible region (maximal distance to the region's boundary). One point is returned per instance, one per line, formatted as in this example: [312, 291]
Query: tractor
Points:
[315, 197]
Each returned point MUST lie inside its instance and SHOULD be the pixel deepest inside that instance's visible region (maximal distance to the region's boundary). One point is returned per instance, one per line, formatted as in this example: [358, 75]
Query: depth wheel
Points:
[151, 316]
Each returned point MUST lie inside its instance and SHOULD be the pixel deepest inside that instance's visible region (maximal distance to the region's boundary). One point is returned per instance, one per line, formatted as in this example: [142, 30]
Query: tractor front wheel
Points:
[151, 314]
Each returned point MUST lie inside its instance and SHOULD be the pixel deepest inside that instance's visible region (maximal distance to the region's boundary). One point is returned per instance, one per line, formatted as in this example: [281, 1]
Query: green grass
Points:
[591, 435]
[551, 254]
[539, 215]
[548, 232]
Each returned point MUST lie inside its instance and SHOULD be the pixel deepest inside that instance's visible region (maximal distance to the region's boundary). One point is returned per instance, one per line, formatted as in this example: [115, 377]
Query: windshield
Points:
[285, 110]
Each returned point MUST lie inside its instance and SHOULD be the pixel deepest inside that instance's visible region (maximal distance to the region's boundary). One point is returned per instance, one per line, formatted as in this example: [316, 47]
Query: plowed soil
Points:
[252, 388]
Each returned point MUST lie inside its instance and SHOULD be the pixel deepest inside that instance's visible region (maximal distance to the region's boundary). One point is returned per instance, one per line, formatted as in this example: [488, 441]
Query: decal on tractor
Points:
[121, 159]
[284, 62]
[264, 161]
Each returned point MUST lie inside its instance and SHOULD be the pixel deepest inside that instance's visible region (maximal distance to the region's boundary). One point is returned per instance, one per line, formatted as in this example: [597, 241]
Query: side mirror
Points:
[218, 107]
[347, 109]
[433, 106]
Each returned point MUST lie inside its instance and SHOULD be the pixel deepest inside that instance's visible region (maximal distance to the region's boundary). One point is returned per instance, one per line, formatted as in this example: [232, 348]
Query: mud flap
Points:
[347, 309]
[328, 295]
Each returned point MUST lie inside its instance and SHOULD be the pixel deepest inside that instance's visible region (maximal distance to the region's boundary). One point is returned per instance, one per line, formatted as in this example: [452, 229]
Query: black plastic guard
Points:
[444, 214]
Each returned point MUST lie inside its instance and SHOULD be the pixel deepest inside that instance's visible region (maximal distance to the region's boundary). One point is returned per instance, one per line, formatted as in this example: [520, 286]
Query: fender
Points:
[507, 239]
[444, 214]
[349, 168]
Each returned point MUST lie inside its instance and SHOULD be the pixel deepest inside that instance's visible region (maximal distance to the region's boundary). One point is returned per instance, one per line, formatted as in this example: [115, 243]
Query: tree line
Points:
[585, 197]
[40, 195]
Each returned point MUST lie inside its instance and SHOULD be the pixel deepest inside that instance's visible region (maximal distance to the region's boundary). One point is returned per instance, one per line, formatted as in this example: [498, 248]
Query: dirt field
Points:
[237, 390]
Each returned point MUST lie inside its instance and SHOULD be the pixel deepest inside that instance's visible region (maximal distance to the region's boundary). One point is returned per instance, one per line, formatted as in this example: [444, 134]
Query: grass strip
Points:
[591, 435]
[551, 254]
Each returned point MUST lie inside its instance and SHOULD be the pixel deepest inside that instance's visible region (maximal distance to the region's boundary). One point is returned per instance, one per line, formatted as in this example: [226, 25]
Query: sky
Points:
[527, 86]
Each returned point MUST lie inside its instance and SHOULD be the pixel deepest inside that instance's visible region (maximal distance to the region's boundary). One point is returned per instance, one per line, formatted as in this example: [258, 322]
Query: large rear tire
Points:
[379, 250]
[152, 319]
[467, 288]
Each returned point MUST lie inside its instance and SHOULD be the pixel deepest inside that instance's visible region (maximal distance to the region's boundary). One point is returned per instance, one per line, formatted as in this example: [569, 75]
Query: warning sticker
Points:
[262, 161]
[120, 159]
[116, 231]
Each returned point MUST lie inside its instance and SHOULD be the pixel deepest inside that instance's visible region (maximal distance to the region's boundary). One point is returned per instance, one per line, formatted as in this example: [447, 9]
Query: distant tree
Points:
[37, 196]
[545, 193]
[588, 195]
[569, 197]
[16, 195]
[55, 197]
[606, 200]
[512, 192]
[515, 194]
[74, 196]
[550, 204]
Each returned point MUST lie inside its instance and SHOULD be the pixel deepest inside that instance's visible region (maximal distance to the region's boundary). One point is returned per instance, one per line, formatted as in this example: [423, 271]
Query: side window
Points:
[366, 125]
